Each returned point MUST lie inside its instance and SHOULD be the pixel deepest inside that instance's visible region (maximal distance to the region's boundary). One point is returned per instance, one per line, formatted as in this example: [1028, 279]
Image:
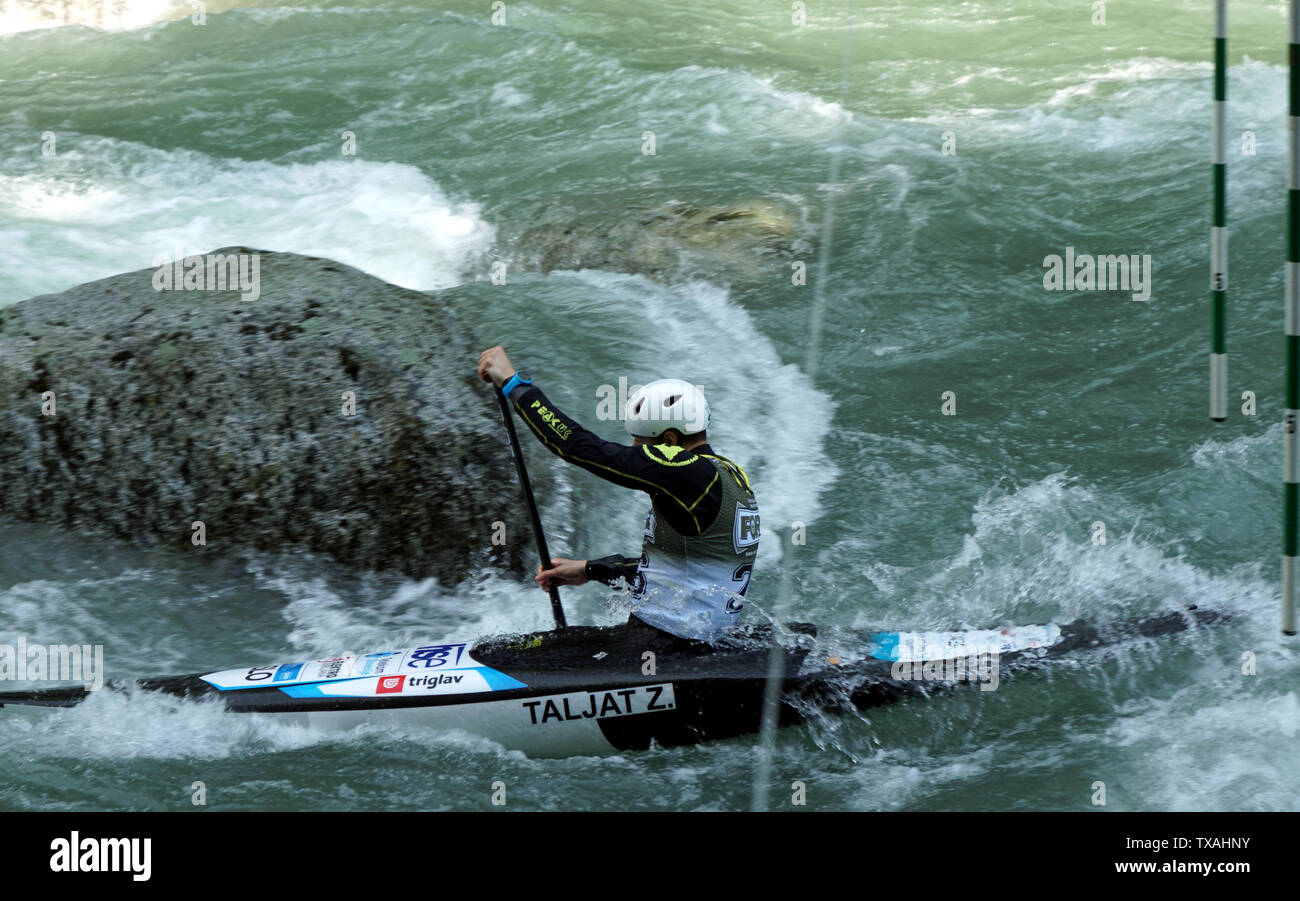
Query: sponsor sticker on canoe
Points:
[587, 705]
[288, 673]
[378, 664]
[447, 656]
[430, 669]
[389, 685]
[919, 646]
[329, 668]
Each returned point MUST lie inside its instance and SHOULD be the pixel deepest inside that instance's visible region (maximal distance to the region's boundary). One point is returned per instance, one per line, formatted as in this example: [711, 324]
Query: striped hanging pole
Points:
[1290, 462]
[1219, 229]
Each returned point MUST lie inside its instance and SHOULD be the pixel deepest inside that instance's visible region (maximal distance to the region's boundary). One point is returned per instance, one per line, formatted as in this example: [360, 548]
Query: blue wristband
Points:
[519, 378]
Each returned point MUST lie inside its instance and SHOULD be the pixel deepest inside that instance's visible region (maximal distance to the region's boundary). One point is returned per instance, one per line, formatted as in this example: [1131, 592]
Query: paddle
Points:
[526, 487]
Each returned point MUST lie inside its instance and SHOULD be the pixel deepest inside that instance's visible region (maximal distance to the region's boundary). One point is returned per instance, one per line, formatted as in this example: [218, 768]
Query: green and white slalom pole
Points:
[1291, 464]
[1219, 228]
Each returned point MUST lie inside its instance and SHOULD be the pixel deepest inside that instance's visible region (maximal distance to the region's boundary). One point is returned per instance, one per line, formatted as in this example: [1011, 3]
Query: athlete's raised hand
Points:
[494, 366]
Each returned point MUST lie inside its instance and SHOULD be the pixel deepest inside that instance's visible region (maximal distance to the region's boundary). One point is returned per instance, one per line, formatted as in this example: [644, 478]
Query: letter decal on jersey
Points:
[638, 578]
[746, 532]
[739, 578]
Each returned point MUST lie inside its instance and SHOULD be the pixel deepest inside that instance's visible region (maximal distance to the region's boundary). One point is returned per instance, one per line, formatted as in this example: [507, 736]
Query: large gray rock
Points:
[177, 406]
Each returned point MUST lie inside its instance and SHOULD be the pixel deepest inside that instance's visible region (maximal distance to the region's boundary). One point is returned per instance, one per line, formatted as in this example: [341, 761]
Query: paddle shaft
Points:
[527, 489]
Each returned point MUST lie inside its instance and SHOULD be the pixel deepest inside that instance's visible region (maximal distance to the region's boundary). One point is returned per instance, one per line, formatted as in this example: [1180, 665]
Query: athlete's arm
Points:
[612, 568]
[562, 434]
[565, 437]
[684, 485]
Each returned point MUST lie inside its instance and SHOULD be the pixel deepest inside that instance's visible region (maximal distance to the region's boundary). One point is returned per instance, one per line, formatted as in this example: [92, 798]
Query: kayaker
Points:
[701, 533]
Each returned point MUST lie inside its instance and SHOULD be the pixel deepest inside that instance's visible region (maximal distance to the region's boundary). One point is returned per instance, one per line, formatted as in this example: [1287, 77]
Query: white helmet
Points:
[667, 404]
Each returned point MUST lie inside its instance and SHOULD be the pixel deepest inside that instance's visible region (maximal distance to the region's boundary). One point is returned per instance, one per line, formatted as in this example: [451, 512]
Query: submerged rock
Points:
[671, 242]
[183, 406]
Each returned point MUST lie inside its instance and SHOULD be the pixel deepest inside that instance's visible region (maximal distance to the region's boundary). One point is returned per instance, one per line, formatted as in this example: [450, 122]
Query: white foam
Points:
[508, 95]
[767, 415]
[130, 203]
[324, 620]
[1224, 749]
[114, 724]
[29, 15]
[1242, 452]
[890, 780]
[1029, 556]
